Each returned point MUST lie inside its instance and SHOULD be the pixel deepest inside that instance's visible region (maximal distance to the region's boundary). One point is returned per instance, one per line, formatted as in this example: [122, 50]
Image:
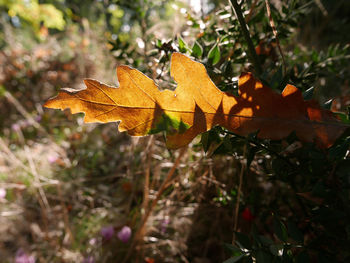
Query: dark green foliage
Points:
[311, 185]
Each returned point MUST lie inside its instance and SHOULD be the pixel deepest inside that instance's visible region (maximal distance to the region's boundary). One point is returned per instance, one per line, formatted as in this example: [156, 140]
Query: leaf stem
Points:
[251, 50]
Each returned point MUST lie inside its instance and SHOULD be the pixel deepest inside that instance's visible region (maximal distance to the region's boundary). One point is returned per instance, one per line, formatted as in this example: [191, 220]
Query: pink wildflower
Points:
[124, 234]
[22, 257]
[2, 193]
[107, 232]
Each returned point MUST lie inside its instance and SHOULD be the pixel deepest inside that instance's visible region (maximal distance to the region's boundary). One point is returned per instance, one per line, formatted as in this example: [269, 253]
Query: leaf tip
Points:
[47, 104]
[51, 103]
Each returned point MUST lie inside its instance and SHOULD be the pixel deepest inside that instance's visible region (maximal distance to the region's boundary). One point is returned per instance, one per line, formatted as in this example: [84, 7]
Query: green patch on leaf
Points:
[169, 124]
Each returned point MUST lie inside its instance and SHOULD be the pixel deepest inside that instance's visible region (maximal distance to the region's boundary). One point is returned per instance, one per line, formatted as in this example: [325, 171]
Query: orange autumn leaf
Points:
[197, 105]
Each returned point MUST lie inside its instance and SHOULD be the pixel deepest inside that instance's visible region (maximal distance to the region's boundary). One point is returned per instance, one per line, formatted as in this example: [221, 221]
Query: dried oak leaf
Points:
[197, 105]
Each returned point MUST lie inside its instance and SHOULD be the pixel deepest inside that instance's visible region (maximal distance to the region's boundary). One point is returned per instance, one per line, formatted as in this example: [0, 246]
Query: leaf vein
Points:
[99, 88]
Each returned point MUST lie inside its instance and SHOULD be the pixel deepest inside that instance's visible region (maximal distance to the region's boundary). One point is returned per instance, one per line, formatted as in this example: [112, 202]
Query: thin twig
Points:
[131, 174]
[154, 203]
[23, 111]
[274, 30]
[11, 157]
[8, 155]
[35, 174]
[322, 8]
[251, 11]
[65, 213]
[239, 195]
[163, 185]
[39, 193]
[251, 50]
[147, 160]
[34, 122]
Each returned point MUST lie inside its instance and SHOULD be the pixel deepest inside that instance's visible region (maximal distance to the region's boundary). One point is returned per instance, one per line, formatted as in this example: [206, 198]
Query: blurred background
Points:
[75, 192]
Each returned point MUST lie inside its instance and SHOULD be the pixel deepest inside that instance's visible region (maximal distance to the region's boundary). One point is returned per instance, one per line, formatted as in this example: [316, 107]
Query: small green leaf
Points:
[309, 93]
[214, 54]
[232, 248]
[158, 43]
[343, 117]
[287, 256]
[338, 151]
[285, 9]
[227, 68]
[265, 241]
[314, 56]
[251, 154]
[208, 138]
[234, 259]
[253, 135]
[197, 50]
[276, 249]
[182, 45]
[280, 230]
[204, 141]
[328, 104]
